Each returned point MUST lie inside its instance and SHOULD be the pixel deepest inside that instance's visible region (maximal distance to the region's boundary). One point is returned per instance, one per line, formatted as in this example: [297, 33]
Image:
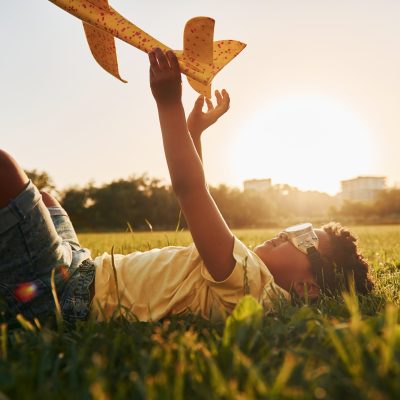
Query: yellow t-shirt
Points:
[174, 280]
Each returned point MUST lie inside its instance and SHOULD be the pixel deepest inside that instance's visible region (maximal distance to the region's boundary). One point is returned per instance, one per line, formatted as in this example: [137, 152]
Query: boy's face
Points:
[287, 264]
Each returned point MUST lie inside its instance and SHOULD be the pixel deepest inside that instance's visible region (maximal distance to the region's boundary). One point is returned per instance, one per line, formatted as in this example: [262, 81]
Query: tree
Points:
[388, 203]
[76, 201]
[42, 180]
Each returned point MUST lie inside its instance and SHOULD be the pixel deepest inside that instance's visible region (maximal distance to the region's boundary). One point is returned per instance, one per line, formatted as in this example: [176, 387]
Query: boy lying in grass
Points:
[207, 278]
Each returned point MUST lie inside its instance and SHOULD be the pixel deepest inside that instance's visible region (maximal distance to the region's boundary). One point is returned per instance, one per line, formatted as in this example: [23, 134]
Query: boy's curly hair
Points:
[343, 264]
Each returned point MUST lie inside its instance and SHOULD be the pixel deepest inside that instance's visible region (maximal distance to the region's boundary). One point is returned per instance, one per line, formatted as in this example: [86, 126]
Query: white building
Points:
[362, 188]
[258, 185]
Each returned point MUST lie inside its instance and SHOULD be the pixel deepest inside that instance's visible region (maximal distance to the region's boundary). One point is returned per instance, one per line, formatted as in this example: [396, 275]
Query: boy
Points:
[207, 278]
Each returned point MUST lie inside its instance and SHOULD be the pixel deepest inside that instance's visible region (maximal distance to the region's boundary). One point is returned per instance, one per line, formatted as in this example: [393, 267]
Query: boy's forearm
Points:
[197, 144]
[182, 154]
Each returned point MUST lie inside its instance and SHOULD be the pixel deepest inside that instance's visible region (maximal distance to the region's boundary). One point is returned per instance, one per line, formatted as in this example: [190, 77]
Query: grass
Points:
[345, 348]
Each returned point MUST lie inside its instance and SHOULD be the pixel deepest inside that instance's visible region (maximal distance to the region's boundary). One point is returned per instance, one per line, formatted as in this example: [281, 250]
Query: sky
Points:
[315, 96]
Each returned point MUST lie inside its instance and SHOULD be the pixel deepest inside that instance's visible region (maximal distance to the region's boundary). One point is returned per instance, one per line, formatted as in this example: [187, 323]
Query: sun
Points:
[308, 141]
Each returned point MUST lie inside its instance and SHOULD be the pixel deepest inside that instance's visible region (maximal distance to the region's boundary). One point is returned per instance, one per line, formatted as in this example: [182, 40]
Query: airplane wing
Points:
[102, 46]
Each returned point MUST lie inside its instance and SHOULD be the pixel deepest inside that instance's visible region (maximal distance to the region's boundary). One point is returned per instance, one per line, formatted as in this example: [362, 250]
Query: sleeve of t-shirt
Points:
[249, 276]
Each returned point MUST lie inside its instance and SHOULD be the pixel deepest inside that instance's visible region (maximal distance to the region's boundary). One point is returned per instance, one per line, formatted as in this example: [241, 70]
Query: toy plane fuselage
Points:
[201, 59]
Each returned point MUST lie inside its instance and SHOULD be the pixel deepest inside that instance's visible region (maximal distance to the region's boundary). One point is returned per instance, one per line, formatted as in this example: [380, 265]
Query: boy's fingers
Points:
[152, 77]
[153, 61]
[173, 60]
[210, 105]
[161, 58]
[198, 105]
[226, 98]
[218, 97]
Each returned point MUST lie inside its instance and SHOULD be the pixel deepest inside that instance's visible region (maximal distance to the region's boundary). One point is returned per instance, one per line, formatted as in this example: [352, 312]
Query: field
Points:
[337, 349]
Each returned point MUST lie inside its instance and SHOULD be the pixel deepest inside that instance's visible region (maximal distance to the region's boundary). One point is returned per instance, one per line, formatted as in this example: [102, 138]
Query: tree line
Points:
[385, 209]
[142, 202]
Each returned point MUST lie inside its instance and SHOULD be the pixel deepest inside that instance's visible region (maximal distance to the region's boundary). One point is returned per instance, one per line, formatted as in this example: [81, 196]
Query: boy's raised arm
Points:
[210, 233]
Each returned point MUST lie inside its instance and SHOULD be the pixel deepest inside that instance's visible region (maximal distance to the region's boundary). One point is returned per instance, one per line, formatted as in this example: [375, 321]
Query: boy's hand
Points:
[165, 77]
[198, 121]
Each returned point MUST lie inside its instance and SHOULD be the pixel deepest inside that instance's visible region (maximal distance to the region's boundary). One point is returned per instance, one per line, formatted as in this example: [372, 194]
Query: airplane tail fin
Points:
[202, 58]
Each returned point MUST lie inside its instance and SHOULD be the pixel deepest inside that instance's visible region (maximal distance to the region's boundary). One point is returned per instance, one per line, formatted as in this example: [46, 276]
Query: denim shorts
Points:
[34, 240]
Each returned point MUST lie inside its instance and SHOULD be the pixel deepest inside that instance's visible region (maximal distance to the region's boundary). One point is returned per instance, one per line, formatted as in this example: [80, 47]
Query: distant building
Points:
[362, 188]
[258, 185]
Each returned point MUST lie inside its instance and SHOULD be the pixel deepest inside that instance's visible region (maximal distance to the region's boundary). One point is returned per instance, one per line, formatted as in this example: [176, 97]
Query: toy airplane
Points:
[201, 58]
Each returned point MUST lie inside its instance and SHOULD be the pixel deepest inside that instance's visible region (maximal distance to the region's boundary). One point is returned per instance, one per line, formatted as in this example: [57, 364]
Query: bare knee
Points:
[12, 179]
[49, 201]
[8, 166]
[5, 159]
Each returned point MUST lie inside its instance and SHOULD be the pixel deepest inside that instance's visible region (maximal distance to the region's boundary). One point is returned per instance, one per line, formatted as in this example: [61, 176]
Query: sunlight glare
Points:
[308, 141]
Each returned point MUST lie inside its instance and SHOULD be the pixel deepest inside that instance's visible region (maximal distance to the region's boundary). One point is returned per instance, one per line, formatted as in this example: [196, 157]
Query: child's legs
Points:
[30, 246]
[12, 179]
[60, 219]
[49, 201]
[27, 233]
[76, 282]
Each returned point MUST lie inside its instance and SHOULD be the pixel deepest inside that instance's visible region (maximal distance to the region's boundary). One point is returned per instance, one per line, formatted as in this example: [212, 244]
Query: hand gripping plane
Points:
[200, 60]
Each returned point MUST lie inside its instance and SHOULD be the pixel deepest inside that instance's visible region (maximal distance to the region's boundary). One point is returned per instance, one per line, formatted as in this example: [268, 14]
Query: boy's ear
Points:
[306, 289]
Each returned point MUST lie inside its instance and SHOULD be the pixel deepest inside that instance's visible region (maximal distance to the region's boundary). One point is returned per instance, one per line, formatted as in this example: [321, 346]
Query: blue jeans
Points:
[34, 240]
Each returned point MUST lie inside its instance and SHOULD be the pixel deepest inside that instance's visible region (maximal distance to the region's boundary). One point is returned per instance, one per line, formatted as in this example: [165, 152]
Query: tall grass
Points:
[339, 348]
